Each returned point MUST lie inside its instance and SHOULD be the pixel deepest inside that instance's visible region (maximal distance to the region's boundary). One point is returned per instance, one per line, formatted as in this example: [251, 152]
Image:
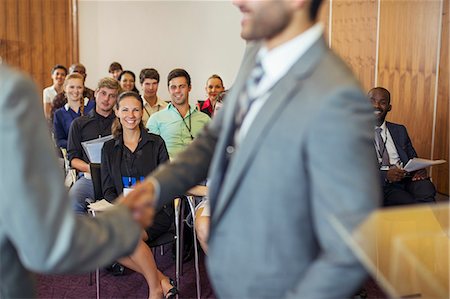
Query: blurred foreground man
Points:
[291, 147]
[38, 230]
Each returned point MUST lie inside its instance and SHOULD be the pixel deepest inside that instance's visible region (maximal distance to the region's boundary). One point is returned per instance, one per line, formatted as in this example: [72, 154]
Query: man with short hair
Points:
[149, 79]
[81, 69]
[394, 149]
[179, 122]
[97, 123]
[291, 148]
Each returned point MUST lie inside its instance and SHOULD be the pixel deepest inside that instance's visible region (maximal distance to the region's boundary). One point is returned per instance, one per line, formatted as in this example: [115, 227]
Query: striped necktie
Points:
[382, 151]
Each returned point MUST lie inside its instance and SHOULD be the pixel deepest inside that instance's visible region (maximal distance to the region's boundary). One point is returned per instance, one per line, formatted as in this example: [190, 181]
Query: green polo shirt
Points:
[176, 130]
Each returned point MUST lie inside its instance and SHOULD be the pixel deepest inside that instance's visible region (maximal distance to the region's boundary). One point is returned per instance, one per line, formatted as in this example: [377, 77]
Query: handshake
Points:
[141, 202]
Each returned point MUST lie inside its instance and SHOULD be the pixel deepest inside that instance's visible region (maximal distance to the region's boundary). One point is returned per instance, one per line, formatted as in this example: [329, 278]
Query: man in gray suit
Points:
[291, 147]
[38, 230]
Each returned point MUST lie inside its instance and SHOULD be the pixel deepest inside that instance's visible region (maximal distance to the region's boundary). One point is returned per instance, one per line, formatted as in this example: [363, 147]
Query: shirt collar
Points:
[145, 137]
[383, 126]
[159, 102]
[192, 108]
[86, 101]
[277, 62]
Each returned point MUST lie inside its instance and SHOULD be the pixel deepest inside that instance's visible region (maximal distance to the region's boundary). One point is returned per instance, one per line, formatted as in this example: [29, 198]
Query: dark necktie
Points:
[381, 147]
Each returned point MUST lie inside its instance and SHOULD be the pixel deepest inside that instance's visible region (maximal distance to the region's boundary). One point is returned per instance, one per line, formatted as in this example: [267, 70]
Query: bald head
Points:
[78, 68]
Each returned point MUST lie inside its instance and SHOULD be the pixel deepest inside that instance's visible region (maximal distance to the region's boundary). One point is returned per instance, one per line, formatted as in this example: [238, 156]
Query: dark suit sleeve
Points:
[74, 147]
[108, 187]
[408, 147]
[60, 135]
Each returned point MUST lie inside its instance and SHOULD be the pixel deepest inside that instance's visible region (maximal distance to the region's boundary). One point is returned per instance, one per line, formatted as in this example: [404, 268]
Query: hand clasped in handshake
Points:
[141, 202]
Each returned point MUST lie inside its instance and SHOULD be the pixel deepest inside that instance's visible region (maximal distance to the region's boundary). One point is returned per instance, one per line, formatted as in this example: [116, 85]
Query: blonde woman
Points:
[75, 107]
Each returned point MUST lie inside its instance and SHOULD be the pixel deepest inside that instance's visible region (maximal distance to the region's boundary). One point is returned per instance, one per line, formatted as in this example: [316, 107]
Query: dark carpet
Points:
[133, 285]
[130, 285]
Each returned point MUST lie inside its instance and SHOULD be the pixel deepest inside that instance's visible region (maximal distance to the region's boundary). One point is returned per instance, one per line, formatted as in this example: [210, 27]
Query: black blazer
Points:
[154, 152]
[402, 144]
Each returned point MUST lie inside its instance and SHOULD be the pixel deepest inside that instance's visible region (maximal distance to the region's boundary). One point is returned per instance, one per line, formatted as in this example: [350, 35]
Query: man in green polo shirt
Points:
[179, 122]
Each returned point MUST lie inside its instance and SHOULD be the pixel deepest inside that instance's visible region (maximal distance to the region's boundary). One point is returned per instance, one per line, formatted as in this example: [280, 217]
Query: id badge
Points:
[126, 191]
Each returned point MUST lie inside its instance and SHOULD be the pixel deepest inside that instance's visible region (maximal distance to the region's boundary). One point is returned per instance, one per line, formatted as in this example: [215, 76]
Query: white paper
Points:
[100, 205]
[93, 148]
[419, 163]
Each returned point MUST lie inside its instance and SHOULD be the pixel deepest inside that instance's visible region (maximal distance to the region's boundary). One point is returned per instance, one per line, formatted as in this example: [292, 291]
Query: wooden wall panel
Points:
[441, 148]
[407, 65]
[37, 34]
[354, 34]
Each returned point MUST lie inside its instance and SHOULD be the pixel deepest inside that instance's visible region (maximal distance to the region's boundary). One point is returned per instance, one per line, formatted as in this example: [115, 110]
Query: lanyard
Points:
[189, 128]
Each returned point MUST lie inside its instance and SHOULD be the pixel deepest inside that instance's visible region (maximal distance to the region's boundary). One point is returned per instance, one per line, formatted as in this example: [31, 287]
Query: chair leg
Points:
[97, 281]
[197, 270]
[177, 241]
[182, 208]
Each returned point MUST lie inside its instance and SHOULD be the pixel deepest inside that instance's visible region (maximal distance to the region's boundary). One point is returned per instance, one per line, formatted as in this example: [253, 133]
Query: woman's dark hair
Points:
[134, 78]
[116, 128]
[57, 67]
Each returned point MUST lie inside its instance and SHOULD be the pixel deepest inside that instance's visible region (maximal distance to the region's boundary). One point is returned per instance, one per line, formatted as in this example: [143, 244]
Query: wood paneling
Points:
[354, 36]
[37, 34]
[407, 65]
[441, 149]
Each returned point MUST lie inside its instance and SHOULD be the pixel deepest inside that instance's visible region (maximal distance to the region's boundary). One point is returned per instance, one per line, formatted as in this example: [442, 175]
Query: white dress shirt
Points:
[276, 63]
[394, 158]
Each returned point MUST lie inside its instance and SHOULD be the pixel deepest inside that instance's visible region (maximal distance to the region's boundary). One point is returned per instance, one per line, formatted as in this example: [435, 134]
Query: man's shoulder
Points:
[391, 125]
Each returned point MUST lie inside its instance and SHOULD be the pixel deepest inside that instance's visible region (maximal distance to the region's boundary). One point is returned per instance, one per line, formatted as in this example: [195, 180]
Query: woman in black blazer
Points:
[126, 159]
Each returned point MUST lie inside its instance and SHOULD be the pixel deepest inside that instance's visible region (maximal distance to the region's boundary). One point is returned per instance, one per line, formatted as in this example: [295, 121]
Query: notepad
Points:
[100, 205]
[419, 163]
[93, 148]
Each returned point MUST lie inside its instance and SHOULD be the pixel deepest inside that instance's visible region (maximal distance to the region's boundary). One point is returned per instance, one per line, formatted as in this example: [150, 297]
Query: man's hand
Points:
[395, 174]
[141, 203]
[420, 174]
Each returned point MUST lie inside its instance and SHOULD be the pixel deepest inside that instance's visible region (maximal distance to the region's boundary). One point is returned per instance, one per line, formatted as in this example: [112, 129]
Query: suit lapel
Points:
[395, 134]
[283, 92]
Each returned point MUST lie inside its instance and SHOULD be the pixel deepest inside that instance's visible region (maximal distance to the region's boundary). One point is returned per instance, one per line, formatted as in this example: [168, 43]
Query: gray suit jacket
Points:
[307, 155]
[38, 229]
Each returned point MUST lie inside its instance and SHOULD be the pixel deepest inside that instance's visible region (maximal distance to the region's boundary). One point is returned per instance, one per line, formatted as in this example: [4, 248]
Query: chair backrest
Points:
[96, 180]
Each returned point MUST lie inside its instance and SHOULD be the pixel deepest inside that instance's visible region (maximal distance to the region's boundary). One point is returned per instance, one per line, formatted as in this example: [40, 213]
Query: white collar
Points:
[159, 102]
[383, 126]
[277, 62]
[86, 101]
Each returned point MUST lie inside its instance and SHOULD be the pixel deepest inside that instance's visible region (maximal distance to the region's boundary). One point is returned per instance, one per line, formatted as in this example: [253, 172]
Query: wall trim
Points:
[377, 47]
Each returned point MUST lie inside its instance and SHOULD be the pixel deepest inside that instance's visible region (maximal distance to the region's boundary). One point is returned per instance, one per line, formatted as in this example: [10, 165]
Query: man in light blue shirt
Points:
[179, 122]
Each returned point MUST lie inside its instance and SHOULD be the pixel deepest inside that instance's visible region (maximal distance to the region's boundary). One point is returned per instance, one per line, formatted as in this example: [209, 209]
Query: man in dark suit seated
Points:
[394, 149]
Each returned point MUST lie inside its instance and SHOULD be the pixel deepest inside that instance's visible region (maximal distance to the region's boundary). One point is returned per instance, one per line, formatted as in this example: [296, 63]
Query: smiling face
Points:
[129, 113]
[74, 89]
[127, 82]
[58, 77]
[150, 87]
[213, 87]
[105, 98]
[179, 91]
[381, 103]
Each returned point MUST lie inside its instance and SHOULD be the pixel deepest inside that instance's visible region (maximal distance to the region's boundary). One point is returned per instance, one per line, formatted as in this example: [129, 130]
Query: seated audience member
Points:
[214, 86]
[80, 69]
[58, 73]
[126, 159]
[97, 123]
[115, 69]
[75, 107]
[149, 79]
[127, 81]
[178, 123]
[60, 100]
[394, 149]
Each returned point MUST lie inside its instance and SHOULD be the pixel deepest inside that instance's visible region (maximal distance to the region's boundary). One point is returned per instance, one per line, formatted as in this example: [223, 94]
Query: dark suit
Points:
[307, 155]
[406, 191]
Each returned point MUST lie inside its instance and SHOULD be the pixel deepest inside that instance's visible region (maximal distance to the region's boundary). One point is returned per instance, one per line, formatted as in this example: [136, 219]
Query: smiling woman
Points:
[127, 159]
